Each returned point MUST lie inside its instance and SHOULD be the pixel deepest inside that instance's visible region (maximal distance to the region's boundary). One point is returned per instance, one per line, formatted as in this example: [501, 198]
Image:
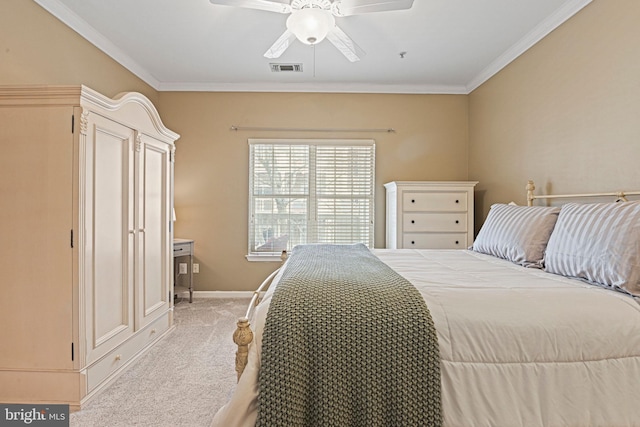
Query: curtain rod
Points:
[237, 128]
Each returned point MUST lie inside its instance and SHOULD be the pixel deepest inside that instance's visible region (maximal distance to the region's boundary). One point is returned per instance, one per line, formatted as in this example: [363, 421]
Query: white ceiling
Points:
[452, 46]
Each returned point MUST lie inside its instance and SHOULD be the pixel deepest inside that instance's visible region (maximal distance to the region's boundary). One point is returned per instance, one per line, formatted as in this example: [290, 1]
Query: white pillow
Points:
[599, 243]
[517, 233]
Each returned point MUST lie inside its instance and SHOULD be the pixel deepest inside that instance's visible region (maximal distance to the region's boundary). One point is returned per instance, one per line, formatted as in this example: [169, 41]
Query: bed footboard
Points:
[243, 336]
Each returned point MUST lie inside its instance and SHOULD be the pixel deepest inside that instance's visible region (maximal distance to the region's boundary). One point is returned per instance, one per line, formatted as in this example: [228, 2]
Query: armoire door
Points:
[107, 221]
[153, 186]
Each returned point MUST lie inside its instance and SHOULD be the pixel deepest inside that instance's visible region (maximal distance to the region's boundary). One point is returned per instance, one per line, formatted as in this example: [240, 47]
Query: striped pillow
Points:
[599, 243]
[517, 233]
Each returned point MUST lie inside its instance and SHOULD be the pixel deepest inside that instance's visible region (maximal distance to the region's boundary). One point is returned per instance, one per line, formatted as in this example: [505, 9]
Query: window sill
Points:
[264, 258]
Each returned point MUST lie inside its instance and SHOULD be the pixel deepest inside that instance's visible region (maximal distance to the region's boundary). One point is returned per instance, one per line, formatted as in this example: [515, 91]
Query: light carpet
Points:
[182, 381]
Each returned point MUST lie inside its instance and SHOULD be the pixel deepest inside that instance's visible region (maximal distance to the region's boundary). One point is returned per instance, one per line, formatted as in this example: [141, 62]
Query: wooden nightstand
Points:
[182, 248]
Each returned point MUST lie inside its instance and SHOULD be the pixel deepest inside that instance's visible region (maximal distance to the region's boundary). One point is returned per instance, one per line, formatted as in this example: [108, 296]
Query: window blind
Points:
[310, 191]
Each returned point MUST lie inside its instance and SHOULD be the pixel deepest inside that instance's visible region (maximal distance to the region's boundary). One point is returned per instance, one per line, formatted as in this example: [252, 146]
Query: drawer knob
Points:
[118, 357]
[457, 222]
[457, 242]
[457, 201]
[413, 222]
[413, 200]
[413, 242]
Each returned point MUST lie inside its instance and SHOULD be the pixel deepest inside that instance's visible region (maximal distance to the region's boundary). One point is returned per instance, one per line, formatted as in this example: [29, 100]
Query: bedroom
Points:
[564, 114]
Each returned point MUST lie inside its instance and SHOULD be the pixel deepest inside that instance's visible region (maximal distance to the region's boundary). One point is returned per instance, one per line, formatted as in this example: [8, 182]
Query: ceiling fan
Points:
[311, 21]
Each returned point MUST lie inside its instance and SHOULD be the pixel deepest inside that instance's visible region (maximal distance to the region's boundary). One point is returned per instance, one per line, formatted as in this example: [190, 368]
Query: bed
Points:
[538, 323]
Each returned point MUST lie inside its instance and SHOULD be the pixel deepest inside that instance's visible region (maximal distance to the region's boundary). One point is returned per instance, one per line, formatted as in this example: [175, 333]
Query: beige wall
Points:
[36, 48]
[565, 114]
[430, 143]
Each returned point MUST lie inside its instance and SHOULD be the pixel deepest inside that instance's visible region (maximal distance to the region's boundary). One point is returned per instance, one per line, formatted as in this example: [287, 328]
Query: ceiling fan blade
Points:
[356, 7]
[345, 44]
[280, 6]
[280, 45]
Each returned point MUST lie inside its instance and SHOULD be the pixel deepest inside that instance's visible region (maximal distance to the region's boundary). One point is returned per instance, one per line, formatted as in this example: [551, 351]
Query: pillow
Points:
[517, 233]
[599, 243]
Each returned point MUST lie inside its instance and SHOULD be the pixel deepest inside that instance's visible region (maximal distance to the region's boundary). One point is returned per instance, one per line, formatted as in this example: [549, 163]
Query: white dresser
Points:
[429, 214]
[87, 190]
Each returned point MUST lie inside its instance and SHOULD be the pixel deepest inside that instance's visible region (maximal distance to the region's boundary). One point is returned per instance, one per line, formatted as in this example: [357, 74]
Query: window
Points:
[309, 191]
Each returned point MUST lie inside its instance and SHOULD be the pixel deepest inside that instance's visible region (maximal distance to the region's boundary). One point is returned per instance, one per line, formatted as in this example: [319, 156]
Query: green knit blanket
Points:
[347, 342]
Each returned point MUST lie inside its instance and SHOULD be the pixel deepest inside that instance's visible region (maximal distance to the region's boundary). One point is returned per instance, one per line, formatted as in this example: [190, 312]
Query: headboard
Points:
[621, 196]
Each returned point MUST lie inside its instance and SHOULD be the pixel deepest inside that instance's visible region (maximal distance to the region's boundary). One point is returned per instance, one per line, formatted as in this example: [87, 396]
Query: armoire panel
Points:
[153, 210]
[35, 226]
[112, 188]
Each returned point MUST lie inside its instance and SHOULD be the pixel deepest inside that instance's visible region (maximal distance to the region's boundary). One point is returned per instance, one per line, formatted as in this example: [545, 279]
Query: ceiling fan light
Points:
[311, 25]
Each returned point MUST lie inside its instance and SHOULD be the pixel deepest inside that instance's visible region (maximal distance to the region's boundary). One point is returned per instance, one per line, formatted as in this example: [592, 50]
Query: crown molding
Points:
[530, 39]
[80, 26]
[312, 87]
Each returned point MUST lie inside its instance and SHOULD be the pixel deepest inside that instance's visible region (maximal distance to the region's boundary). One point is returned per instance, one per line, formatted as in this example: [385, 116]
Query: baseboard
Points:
[217, 294]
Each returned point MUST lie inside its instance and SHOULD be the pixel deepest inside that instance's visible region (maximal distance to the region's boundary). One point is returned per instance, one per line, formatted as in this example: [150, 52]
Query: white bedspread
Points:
[519, 347]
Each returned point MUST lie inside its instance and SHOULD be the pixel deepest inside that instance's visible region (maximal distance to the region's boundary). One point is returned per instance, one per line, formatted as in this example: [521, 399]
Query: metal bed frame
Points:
[243, 336]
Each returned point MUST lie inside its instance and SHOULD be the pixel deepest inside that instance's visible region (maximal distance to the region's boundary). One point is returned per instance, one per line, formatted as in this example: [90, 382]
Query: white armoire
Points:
[87, 194]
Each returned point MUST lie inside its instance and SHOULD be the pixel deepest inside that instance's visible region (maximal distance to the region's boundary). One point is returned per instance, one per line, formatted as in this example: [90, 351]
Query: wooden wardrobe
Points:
[87, 194]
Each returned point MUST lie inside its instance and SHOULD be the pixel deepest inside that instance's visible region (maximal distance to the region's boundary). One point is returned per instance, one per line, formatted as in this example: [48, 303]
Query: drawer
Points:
[181, 249]
[454, 222]
[434, 201]
[434, 240]
[123, 354]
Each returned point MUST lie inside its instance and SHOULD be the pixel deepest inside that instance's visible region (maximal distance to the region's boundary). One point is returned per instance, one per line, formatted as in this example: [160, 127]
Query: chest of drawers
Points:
[429, 214]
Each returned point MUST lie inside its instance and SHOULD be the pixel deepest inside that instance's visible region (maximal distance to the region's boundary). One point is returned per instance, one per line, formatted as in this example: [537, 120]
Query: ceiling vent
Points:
[277, 68]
